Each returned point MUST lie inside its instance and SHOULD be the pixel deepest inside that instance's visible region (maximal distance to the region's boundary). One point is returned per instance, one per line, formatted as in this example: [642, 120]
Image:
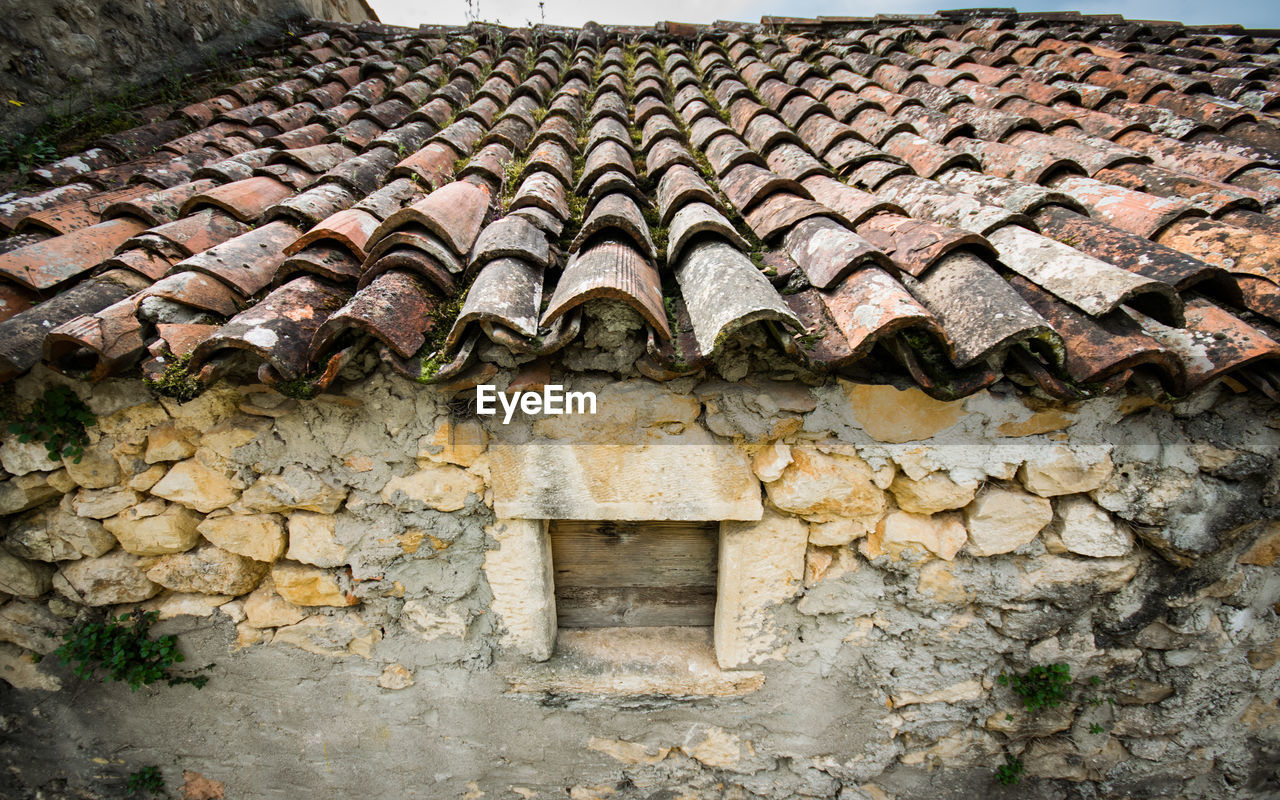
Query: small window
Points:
[634, 574]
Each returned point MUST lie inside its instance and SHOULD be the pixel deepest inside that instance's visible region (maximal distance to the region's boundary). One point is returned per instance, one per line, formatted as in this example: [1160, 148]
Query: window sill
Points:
[631, 662]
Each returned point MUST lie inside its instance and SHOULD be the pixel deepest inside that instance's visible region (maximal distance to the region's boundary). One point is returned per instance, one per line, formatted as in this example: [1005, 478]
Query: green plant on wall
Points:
[124, 650]
[1010, 772]
[1041, 686]
[59, 419]
[146, 780]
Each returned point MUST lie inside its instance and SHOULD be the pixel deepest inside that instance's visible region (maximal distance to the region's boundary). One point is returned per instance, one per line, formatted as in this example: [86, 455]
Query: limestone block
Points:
[32, 625]
[519, 572]
[769, 462]
[634, 412]
[131, 419]
[431, 624]
[219, 443]
[685, 477]
[103, 503]
[840, 531]
[933, 493]
[1002, 520]
[333, 636]
[257, 536]
[212, 406]
[1060, 470]
[628, 752]
[207, 570]
[25, 492]
[18, 458]
[956, 693]
[167, 444]
[264, 608]
[1044, 577]
[889, 414]
[823, 487]
[1265, 550]
[182, 604]
[95, 468]
[23, 578]
[171, 531]
[312, 540]
[293, 489]
[940, 534]
[761, 565]
[717, 747]
[395, 677]
[453, 442]
[116, 577]
[443, 487]
[20, 670]
[309, 586]
[60, 481]
[143, 481]
[196, 486]
[1086, 530]
[54, 533]
[823, 563]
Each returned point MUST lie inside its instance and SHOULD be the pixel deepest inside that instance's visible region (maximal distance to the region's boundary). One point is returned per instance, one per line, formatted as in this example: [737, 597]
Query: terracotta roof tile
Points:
[938, 189]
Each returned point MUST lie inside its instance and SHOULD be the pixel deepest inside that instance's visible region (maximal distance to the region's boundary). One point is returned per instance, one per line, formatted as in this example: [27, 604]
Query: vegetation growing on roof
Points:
[432, 354]
[176, 381]
[60, 420]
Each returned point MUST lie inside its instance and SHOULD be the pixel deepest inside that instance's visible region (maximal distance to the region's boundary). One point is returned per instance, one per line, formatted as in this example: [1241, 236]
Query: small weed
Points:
[1041, 686]
[22, 153]
[124, 649]
[1010, 772]
[1095, 729]
[176, 381]
[59, 419]
[147, 779]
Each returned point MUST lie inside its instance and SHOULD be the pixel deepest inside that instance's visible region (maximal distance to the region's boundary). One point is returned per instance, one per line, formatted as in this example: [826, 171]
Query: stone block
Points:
[25, 492]
[761, 566]
[20, 458]
[54, 533]
[293, 489]
[166, 443]
[823, 487]
[312, 540]
[686, 477]
[309, 586]
[933, 493]
[95, 468]
[264, 608]
[117, 577]
[520, 577]
[1061, 470]
[454, 442]
[1086, 530]
[172, 531]
[443, 487]
[103, 503]
[890, 414]
[257, 536]
[20, 670]
[940, 534]
[23, 578]
[184, 604]
[207, 570]
[1002, 520]
[333, 636]
[196, 486]
[841, 531]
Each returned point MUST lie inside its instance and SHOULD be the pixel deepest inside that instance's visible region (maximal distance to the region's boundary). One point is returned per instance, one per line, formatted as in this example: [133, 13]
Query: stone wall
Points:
[61, 56]
[368, 572]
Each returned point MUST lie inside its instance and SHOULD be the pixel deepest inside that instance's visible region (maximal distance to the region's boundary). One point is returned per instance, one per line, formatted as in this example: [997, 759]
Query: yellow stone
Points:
[443, 487]
[258, 536]
[823, 487]
[309, 586]
[1265, 550]
[889, 414]
[452, 442]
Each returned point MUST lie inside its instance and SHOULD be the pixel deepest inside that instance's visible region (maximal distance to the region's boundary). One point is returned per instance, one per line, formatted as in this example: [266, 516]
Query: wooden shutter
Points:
[634, 574]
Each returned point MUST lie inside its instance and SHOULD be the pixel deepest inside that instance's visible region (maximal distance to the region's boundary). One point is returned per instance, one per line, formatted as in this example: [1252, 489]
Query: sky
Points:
[1253, 13]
